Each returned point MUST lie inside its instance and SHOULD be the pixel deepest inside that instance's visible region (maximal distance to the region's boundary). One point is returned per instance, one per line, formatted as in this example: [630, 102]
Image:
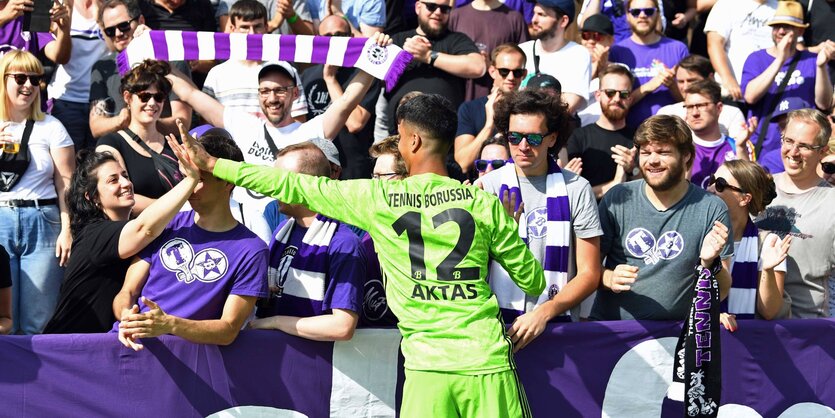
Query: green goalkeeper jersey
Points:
[433, 237]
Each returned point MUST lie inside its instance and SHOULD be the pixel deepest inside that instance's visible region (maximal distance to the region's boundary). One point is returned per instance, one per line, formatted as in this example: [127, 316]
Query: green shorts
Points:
[435, 394]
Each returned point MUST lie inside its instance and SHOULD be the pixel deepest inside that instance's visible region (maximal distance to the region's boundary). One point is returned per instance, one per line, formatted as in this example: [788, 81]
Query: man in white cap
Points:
[782, 71]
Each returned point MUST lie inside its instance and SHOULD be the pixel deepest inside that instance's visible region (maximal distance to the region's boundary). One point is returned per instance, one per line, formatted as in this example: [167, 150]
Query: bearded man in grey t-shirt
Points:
[658, 229]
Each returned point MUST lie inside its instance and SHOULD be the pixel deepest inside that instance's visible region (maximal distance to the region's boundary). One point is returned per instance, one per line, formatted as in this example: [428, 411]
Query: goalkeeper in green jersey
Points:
[434, 237]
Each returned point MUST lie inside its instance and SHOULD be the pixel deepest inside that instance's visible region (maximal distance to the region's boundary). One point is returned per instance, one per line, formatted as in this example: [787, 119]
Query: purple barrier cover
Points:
[598, 369]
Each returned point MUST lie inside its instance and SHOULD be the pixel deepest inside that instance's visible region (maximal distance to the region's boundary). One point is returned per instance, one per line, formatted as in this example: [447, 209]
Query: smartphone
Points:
[38, 19]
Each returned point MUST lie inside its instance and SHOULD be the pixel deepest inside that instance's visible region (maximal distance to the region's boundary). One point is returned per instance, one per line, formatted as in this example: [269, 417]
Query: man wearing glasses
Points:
[651, 57]
[605, 147]
[557, 216]
[803, 209]
[118, 19]
[551, 53]
[475, 117]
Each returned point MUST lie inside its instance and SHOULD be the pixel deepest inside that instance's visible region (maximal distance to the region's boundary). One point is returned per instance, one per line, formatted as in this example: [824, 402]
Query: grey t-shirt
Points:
[585, 222]
[663, 244]
[807, 217]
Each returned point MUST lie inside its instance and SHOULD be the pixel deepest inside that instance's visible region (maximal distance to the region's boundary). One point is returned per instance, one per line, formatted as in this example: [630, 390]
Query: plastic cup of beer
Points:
[12, 145]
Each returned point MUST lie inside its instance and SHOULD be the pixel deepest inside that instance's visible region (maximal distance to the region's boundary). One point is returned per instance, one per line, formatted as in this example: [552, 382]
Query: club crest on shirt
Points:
[642, 244]
[537, 221]
[207, 266]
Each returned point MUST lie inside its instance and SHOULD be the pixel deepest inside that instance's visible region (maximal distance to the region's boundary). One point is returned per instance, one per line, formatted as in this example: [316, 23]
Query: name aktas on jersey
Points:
[416, 200]
[445, 292]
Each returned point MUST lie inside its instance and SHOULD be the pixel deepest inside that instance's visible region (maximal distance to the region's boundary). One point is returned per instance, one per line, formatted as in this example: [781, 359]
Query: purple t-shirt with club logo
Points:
[193, 271]
[709, 156]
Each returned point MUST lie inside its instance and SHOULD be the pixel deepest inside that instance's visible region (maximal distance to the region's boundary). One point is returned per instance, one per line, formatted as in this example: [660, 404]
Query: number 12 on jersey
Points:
[448, 269]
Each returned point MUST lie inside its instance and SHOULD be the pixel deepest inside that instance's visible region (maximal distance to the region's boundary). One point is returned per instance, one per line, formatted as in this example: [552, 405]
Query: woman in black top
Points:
[100, 201]
[141, 148]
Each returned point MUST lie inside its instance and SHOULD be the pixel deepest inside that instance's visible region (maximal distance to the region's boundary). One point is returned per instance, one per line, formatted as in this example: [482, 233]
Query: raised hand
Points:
[775, 250]
[713, 243]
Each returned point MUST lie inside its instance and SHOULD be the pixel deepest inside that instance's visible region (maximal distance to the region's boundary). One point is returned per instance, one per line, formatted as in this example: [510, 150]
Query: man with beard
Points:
[764, 71]
[651, 57]
[803, 209]
[605, 147]
[703, 103]
[475, 117]
[551, 53]
[443, 59]
[657, 230]
[261, 139]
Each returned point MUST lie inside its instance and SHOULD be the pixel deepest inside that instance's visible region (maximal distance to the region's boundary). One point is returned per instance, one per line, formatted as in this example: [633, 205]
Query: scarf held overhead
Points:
[384, 63]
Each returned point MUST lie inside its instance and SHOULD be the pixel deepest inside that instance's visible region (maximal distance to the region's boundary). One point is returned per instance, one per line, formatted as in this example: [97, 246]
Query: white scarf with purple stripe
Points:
[384, 63]
[512, 300]
[742, 299]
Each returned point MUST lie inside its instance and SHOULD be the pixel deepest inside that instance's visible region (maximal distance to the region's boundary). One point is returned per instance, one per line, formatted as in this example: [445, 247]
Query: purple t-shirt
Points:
[193, 271]
[801, 85]
[709, 156]
[12, 36]
[646, 61]
[314, 279]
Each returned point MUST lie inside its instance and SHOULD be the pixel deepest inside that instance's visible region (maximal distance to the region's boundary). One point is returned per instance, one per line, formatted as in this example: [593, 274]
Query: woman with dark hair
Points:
[100, 200]
[37, 161]
[758, 268]
[140, 148]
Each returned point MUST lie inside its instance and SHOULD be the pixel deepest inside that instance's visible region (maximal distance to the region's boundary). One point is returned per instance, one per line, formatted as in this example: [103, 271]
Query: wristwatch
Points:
[432, 57]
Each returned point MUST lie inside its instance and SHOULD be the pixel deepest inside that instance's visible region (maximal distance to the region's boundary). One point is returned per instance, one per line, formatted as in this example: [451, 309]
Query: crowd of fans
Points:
[631, 140]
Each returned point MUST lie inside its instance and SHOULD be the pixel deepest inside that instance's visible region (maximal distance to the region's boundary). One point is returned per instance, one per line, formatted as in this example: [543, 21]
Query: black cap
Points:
[600, 24]
[543, 81]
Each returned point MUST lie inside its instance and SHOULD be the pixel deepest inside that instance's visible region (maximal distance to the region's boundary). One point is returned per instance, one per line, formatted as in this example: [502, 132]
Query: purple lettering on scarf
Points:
[353, 51]
[191, 50]
[222, 46]
[160, 45]
[287, 48]
[254, 47]
[320, 49]
[702, 321]
[702, 300]
[703, 340]
[702, 356]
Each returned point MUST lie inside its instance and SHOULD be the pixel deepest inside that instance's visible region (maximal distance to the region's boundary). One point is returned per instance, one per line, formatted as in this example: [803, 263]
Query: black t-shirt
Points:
[592, 144]
[472, 117]
[427, 79]
[193, 15]
[93, 277]
[140, 168]
[353, 148]
[5, 269]
[820, 28]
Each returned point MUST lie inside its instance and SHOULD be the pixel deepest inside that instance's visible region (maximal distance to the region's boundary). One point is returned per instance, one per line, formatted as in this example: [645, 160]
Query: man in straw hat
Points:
[781, 71]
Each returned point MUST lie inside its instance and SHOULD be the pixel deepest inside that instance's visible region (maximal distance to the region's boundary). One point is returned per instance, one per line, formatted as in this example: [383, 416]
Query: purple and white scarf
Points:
[742, 300]
[384, 63]
[512, 299]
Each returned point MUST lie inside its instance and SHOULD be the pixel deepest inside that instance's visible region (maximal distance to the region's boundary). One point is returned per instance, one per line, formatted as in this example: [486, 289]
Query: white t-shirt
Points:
[730, 118]
[71, 81]
[248, 132]
[37, 182]
[592, 111]
[235, 85]
[571, 65]
[743, 25]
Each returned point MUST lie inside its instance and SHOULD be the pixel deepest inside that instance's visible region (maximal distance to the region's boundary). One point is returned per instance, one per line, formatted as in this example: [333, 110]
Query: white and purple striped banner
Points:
[384, 63]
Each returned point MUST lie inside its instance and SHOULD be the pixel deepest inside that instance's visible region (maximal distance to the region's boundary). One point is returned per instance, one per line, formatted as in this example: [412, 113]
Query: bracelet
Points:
[293, 19]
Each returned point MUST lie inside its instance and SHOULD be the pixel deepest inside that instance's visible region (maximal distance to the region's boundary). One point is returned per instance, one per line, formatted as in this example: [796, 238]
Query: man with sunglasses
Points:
[444, 59]
[557, 216]
[651, 57]
[803, 209]
[550, 52]
[325, 84]
[597, 35]
[475, 117]
[118, 19]
[605, 147]
[658, 229]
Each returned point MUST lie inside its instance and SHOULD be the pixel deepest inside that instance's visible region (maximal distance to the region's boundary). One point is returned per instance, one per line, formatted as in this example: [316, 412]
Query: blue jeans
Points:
[76, 120]
[29, 235]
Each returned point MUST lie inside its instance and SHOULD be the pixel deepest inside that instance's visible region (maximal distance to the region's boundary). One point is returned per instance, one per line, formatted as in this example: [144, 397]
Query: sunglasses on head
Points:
[610, 93]
[481, 165]
[123, 27]
[587, 35]
[828, 168]
[20, 79]
[431, 7]
[721, 184]
[647, 11]
[145, 96]
[534, 140]
[518, 73]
